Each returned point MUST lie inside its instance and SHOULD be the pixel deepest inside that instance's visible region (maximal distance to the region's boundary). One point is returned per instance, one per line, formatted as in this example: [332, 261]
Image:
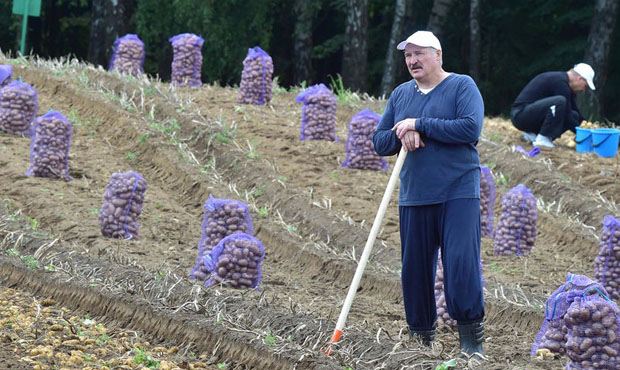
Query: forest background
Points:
[502, 44]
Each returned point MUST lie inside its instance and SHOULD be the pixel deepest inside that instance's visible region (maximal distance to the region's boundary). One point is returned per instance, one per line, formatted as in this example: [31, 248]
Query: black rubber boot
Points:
[425, 336]
[471, 336]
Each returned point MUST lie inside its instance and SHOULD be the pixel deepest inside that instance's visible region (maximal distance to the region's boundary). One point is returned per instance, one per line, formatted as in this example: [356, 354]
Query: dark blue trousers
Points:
[453, 226]
[539, 118]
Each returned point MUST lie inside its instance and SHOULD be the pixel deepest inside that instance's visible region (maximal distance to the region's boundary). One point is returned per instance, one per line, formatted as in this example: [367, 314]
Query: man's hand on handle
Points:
[410, 138]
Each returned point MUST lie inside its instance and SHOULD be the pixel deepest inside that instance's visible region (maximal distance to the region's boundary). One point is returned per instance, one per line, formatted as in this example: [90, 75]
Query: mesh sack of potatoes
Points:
[607, 262]
[128, 55]
[222, 217]
[123, 199]
[19, 104]
[50, 143]
[487, 201]
[236, 261]
[516, 228]
[553, 332]
[443, 317]
[6, 70]
[187, 59]
[359, 151]
[593, 339]
[256, 77]
[318, 113]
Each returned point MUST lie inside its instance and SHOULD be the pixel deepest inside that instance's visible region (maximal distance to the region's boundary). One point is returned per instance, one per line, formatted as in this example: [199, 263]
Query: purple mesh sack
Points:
[360, 153]
[256, 78]
[50, 143]
[6, 70]
[122, 205]
[318, 113]
[236, 260]
[128, 55]
[516, 229]
[222, 217]
[593, 339]
[607, 262]
[487, 201]
[443, 317]
[187, 59]
[19, 104]
[553, 331]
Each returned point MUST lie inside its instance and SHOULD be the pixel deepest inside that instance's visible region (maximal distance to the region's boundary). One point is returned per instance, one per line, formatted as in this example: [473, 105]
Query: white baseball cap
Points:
[584, 70]
[425, 39]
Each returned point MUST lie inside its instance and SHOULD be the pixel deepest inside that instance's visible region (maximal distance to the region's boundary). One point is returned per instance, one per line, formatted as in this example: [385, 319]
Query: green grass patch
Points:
[344, 95]
[30, 261]
[263, 212]
[142, 358]
[143, 138]
[12, 252]
[270, 340]
[131, 156]
[167, 127]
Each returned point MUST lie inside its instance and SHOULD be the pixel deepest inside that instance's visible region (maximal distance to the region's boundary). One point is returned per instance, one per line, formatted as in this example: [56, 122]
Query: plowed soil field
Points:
[312, 215]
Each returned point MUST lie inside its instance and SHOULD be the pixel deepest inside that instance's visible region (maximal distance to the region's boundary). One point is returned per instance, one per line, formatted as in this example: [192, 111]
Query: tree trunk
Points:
[110, 19]
[355, 51]
[474, 39]
[391, 56]
[439, 14]
[302, 44]
[597, 54]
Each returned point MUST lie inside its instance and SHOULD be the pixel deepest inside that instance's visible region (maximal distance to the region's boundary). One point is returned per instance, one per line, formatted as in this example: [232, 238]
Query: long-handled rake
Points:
[367, 249]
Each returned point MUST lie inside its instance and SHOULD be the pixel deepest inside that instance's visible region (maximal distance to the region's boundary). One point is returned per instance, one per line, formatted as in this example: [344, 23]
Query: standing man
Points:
[438, 117]
[546, 106]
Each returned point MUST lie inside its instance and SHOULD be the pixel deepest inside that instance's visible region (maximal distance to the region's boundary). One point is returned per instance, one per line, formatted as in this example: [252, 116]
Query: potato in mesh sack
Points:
[236, 261]
[222, 217]
[256, 77]
[123, 199]
[516, 228]
[19, 104]
[318, 113]
[187, 60]
[487, 201]
[128, 55]
[6, 70]
[359, 150]
[443, 317]
[50, 143]
[607, 262]
[593, 339]
[553, 332]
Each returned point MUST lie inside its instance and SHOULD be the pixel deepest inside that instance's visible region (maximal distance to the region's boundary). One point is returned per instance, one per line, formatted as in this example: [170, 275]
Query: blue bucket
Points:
[583, 140]
[605, 141]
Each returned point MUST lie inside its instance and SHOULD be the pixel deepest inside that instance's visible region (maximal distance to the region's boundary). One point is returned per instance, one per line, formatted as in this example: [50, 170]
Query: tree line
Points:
[500, 43]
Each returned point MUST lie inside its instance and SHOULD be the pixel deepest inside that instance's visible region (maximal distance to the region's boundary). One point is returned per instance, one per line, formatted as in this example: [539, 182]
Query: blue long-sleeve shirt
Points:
[449, 119]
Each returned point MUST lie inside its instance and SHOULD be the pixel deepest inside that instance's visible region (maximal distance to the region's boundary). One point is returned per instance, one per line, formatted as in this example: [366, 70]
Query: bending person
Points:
[546, 107]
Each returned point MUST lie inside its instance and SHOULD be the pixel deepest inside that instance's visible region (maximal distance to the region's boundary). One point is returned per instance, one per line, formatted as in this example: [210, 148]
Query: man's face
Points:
[420, 61]
[580, 84]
